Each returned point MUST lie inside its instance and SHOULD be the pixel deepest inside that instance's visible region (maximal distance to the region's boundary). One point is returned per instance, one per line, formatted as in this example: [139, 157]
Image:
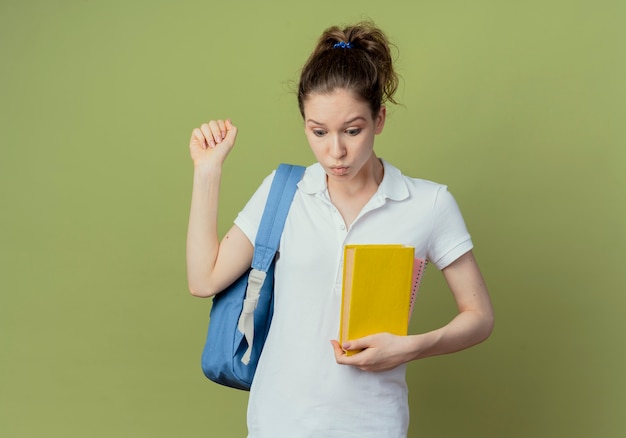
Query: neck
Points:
[366, 182]
[349, 197]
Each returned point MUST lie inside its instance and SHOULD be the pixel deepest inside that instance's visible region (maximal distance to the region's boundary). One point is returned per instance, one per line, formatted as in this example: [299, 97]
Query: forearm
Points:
[474, 322]
[465, 330]
[384, 351]
[202, 234]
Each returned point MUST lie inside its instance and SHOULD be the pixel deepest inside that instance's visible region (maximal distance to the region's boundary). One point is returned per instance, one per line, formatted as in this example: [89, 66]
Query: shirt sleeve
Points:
[249, 219]
[449, 239]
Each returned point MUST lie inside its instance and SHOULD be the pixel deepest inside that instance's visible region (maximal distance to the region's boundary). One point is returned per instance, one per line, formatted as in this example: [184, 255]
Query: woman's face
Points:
[340, 130]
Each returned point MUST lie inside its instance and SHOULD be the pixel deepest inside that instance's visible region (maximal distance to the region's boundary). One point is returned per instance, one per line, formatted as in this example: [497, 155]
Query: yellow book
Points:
[376, 294]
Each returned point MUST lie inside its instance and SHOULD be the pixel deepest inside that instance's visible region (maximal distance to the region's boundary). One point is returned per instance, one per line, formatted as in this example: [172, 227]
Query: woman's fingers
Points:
[230, 131]
[208, 134]
[221, 124]
[215, 132]
[198, 138]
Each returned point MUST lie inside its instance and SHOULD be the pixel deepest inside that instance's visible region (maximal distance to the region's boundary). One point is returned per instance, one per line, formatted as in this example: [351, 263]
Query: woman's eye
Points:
[318, 132]
[353, 131]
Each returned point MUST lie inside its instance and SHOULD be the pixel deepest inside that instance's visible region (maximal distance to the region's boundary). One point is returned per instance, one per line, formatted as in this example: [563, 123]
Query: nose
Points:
[337, 148]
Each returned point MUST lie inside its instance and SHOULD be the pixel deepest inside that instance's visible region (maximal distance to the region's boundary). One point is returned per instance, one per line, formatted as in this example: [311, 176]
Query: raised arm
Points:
[212, 265]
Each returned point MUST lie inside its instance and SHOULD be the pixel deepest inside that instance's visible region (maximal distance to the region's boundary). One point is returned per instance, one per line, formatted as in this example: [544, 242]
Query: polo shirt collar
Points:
[392, 186]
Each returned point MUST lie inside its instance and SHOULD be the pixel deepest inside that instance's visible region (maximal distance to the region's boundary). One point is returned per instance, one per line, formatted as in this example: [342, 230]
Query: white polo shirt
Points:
[299, 390]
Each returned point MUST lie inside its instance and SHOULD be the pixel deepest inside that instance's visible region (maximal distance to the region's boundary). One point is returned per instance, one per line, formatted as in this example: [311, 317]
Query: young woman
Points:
[305, 384]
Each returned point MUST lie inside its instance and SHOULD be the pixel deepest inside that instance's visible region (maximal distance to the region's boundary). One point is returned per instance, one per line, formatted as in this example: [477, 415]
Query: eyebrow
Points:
[346, 123]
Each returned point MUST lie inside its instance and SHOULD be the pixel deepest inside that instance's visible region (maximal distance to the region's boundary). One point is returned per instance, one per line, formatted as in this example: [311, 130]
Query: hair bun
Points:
[368, 71]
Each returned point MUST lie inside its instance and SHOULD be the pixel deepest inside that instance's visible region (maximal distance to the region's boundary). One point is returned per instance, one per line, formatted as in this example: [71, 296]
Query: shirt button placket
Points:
[342, 234]
[341, 225]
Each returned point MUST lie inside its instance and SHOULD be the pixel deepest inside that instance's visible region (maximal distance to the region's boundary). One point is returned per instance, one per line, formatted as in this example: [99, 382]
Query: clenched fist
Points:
[212, 142]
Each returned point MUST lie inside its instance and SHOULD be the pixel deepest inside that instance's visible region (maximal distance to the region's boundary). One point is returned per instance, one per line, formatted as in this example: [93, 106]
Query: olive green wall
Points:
[518, 106]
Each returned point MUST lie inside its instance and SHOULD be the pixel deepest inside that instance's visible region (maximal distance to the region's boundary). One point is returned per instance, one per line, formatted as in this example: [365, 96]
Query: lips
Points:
[339, 170]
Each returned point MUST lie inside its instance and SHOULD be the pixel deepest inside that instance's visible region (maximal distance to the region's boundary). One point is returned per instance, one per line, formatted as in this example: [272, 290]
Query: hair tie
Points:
[343, 45]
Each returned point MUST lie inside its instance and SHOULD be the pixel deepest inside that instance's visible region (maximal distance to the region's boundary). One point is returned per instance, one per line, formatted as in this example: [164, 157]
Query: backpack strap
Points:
[282, 191]
[277, 206]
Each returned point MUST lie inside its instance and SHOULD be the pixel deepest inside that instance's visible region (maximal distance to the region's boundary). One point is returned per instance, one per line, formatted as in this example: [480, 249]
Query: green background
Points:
[518, 106]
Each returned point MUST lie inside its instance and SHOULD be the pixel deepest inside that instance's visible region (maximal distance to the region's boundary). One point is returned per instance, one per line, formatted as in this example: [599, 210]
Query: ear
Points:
[379, 122]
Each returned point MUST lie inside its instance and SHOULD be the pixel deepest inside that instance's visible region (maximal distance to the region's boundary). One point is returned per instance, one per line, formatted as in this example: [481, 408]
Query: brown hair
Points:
[365, 68]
